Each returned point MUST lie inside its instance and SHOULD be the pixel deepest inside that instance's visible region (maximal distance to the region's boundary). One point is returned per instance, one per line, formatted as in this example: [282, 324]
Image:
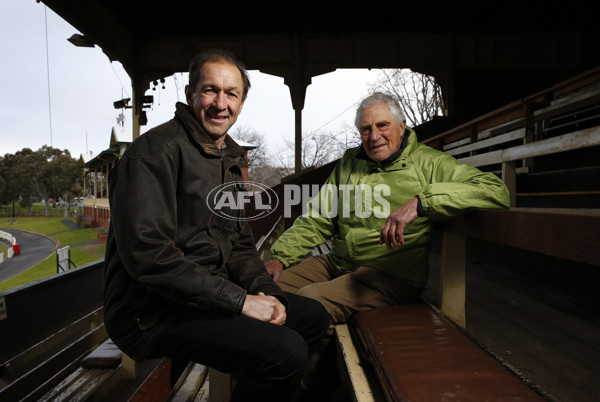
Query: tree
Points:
[258, 156]
[260, 161]
[47, 185]
[65, 176]
[318, 149]
[48, 172]
[419, 95]
[25, 173]
[2, 180]
[9, 191]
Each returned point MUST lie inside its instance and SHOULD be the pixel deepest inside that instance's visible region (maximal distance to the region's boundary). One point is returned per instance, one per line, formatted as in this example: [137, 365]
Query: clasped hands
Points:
[264, 308]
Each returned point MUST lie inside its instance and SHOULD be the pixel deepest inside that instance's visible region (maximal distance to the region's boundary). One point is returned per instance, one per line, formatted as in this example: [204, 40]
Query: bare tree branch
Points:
[419, 95]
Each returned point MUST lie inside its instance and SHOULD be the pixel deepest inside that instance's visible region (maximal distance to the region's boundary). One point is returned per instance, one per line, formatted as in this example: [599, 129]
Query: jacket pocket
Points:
[152, 310]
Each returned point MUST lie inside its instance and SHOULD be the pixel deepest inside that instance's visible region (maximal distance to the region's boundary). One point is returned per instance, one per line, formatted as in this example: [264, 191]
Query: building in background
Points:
[96, 209]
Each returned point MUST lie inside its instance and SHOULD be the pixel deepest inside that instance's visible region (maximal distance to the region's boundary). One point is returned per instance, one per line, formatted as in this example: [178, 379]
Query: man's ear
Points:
[189, 95]
[403, 126]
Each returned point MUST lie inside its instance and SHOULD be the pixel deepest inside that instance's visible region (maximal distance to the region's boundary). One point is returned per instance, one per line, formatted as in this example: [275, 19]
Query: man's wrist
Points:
[278, 262]
[419, 207]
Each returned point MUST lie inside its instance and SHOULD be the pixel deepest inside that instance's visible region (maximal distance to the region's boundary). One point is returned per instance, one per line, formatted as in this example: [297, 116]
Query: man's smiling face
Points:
[217, 99]
[380, 134]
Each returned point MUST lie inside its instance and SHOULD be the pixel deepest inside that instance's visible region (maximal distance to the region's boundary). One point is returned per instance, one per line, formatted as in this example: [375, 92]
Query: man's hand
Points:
[393, 228]
[274, 268]
[264, 308]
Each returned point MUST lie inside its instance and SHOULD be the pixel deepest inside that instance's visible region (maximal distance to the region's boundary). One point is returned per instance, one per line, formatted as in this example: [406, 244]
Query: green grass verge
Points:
[39, 224]
[54, 228]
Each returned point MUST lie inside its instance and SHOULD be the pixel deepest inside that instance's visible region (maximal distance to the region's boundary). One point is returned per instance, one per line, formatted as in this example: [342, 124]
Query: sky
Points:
[54, 93]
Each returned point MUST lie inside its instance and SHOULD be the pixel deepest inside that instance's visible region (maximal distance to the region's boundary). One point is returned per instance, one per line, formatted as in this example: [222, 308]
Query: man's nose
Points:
[375, 134]
[220, 100]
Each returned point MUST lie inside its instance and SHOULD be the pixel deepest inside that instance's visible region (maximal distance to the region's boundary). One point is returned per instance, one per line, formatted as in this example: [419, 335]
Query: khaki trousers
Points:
[345, 292]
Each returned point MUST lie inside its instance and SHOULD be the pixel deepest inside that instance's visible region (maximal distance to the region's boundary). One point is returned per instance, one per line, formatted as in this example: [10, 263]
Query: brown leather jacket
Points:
[166, 249]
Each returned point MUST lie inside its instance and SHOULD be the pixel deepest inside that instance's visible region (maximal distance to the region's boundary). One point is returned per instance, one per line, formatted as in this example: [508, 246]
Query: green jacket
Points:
[446, 187]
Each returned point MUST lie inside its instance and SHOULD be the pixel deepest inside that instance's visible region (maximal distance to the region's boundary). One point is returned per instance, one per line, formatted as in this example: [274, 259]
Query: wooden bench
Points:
[31, 373]
[420, 353]
[80, 362]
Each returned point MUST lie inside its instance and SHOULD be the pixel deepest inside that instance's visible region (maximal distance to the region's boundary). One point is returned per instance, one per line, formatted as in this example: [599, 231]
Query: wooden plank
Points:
[500, 139]
[95, 380]
[488, 133]
[263, 247]
[46, 370]
[568, 104]
[503, 115]
[567, 142]
[358, 379]
[157, 386]
[24, 361]
[64, 385]
[516, 109]
[563, 235]
[488, 158]
[190, 384]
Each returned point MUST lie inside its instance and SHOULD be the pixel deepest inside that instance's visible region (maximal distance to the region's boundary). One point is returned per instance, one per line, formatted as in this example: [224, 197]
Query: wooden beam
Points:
[568, 236]
[567, 142]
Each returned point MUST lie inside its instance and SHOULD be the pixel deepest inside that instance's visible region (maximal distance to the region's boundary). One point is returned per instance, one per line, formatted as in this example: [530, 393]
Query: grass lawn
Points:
[54, 227]
[39, 224]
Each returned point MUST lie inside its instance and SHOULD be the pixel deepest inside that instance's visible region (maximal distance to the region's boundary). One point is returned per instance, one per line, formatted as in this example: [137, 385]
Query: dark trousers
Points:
[267, 360]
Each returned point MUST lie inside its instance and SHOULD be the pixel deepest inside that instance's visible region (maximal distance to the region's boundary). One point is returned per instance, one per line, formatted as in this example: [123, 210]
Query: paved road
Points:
[34, 248]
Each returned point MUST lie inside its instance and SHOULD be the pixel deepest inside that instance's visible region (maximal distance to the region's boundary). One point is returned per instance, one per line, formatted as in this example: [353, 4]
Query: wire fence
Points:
[8, 211]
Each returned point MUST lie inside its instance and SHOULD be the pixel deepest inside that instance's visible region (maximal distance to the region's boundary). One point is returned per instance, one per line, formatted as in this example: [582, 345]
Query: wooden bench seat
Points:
[418, 355]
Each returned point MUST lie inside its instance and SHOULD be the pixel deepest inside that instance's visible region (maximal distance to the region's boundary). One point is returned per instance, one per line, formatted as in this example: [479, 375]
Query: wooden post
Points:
[220, 386]
[509, 177]
[453, 278]
[129, 367]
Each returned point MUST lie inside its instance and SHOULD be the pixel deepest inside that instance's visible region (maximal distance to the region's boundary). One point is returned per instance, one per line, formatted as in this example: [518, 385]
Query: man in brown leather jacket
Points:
[183, 282]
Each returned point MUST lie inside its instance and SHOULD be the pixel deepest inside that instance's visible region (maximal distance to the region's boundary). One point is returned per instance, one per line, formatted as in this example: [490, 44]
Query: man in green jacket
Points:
[378, 205]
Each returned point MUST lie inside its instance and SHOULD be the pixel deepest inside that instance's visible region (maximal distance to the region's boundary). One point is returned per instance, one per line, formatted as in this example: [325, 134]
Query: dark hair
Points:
[220, 56]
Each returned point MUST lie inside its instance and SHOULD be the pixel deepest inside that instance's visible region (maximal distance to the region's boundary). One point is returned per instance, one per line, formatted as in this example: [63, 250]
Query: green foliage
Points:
[29, 176]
